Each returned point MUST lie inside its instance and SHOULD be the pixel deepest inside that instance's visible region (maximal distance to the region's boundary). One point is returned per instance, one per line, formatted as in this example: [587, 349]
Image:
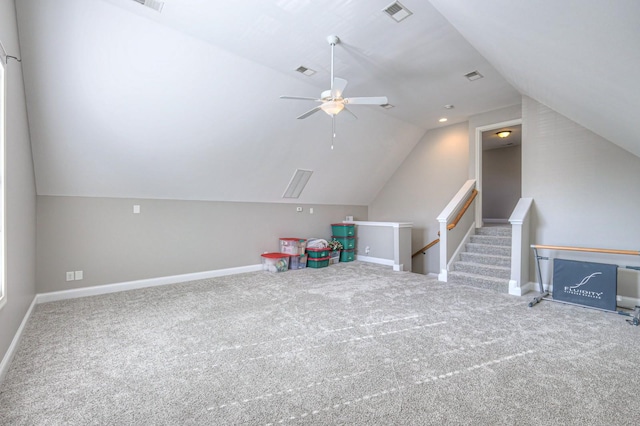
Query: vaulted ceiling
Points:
[125, 101]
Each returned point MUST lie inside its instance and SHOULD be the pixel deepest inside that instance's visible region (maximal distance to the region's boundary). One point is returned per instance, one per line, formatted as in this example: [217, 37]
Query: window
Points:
[3, 285]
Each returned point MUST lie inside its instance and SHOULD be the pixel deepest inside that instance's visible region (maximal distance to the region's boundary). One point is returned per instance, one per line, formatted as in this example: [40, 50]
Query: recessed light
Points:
[387, 106]
[449, 106]
[443, 119]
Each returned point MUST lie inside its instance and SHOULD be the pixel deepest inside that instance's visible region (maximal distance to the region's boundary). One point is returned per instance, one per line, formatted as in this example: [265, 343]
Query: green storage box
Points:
[343, 229]
[317, 253]
[348, 243]
[347, 255]
[318, 263]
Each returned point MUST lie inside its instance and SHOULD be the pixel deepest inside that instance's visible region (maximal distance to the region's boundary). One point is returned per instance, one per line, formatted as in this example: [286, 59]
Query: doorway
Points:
[498, 171]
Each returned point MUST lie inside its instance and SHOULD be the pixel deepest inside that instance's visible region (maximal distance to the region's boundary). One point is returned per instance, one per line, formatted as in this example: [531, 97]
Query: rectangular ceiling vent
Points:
[397, 11]
[306, 71]
[297, 183]
[473, 75]
[153, 4]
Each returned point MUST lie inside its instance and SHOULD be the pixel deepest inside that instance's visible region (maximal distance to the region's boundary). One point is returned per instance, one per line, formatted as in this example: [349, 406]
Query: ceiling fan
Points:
[332, 101]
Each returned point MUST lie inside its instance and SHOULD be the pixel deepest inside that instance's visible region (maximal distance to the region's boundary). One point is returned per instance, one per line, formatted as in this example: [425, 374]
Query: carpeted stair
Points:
[486, 260]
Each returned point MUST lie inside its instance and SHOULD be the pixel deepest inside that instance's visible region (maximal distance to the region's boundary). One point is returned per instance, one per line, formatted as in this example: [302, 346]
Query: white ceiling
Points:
[184, 104]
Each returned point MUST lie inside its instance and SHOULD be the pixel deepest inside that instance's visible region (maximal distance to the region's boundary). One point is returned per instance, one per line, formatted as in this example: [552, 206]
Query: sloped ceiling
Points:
[124, 101]
[579, 58]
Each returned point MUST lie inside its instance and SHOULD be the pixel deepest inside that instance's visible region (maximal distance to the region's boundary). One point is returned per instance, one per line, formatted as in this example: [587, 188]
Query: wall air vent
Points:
[397, 11]
[306, 71]
[473, 75]
[153, 4]
[297, 183]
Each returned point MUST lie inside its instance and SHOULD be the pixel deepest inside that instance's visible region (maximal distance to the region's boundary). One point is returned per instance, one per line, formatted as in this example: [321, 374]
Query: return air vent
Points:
[473, 75]
[153, 4]
[397, 11]
[297, 183]
[306, 71]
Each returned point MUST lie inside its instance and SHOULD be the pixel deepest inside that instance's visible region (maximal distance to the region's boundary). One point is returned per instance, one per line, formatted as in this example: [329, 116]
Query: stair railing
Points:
[450, 226]
[453, 214]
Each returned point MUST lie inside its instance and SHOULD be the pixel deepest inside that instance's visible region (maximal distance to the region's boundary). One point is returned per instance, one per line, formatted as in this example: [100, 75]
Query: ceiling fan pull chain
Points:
[333, 130]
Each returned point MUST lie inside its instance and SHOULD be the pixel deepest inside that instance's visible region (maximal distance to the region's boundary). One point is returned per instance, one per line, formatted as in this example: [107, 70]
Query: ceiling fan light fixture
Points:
[504, 133]
[332, 107]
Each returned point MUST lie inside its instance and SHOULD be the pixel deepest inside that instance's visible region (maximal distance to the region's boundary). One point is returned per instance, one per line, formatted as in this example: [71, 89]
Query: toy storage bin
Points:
[318, 263]
[343, 229]
[298, 262]
[347, 242]
[293, 245]
[317, 253]
[334, 257]
[347, 255]
[275, 262]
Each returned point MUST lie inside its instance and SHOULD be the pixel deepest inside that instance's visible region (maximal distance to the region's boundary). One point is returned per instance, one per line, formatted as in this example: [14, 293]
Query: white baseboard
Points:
[378, 260]
[8, 356]
[627, 302]
[133, 285]
[514, 290]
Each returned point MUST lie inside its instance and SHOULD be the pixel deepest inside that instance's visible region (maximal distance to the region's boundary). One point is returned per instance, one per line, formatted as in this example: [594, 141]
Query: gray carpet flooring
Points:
[351, 344]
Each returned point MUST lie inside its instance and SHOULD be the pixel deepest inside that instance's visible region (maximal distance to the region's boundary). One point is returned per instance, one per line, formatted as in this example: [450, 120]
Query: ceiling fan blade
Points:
[308, 113]
[300, 98]
[367, 100]
[349, 115]
[339, 85]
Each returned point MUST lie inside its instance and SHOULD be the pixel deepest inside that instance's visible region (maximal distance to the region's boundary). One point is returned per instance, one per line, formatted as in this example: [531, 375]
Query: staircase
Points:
[486, 260]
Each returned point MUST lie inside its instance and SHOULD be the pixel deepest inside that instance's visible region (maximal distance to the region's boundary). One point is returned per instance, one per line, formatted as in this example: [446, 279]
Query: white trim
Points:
[514, 290]
[11, 351]
[452, 208]
[467, 237]
[377, 260]
[389, 224]
[478, 161]
[133, 285]
[627, 302]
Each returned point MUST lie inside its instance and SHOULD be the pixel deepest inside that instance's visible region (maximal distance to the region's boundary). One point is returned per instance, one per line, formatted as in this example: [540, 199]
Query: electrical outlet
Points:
[136, 208]
[70, 276]
[367, 250]
[78, 275]
[311, 210]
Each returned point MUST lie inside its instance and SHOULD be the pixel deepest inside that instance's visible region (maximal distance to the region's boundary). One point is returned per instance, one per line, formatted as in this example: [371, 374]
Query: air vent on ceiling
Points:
[473, 75]
[397, 11]
[297, 183]
[306, 71]
[153, 4]
[387, 106]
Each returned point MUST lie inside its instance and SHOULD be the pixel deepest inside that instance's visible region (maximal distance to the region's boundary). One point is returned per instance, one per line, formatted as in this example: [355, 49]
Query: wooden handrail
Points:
[590, 250]
[452, 224]
[463, 210]
[427, 247]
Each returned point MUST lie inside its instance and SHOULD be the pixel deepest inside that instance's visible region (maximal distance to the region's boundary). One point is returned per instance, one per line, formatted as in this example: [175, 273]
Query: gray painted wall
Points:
[21, 194]
[423, 185]
[103, 238]
[585, 190]
[502, 181]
